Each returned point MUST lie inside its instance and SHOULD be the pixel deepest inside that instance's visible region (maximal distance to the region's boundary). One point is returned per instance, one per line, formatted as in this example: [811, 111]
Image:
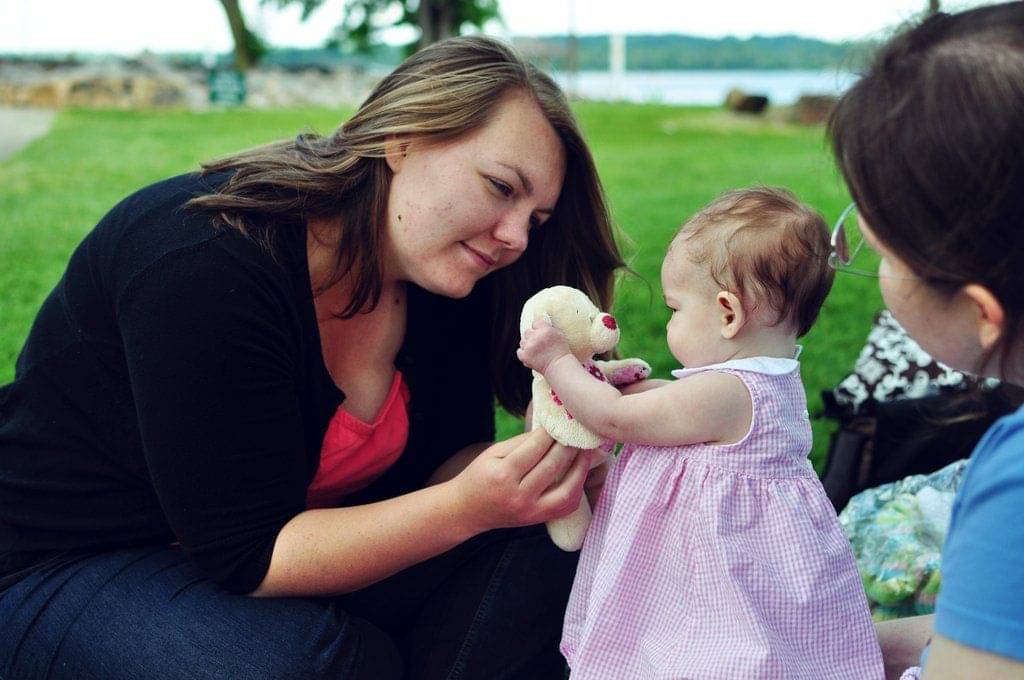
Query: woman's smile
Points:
[482, 259]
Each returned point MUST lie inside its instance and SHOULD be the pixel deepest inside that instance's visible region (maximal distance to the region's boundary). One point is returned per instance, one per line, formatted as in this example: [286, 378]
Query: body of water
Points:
[703, 87]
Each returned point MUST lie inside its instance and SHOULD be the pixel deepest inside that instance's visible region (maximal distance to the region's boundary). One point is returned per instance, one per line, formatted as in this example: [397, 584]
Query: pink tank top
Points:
[354, 452]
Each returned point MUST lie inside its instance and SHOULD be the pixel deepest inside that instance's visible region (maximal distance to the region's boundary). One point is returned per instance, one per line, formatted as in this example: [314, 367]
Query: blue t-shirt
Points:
[981, 603]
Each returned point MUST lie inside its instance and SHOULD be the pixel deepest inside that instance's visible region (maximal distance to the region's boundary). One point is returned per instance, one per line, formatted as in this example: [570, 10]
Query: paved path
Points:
[18, 127]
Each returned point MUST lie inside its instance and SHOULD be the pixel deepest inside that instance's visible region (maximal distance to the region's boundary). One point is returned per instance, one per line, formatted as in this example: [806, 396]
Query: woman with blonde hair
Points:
[249, 433]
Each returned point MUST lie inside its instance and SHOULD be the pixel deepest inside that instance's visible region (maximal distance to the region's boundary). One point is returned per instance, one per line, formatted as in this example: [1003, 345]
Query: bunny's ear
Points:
[604, 333]
[526, 318]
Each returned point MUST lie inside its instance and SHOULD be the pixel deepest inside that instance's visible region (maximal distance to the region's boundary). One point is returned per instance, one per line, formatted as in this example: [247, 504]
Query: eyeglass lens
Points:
[849, 239]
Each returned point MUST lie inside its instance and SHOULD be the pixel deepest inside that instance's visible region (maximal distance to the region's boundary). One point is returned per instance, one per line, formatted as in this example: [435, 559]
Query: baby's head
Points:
[749, 269]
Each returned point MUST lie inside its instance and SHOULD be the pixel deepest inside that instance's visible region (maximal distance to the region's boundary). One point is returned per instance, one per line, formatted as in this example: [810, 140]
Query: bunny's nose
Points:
[609, 322]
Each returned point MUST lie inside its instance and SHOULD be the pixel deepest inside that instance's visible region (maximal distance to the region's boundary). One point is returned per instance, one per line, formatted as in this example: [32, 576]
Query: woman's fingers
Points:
[549, 469]
[564, 495]
[503, 448]
[527, 451]
[595, 480]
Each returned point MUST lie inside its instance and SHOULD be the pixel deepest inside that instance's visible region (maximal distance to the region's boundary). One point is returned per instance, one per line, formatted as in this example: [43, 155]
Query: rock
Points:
[811, 109]
[739, 101]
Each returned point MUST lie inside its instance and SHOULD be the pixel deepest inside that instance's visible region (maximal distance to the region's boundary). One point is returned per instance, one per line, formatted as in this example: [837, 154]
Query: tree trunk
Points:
[437, 21]
[244, 57]
[933, 7]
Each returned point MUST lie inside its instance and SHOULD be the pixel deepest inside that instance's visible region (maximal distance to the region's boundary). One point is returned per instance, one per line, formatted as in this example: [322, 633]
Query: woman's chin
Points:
[452, 287]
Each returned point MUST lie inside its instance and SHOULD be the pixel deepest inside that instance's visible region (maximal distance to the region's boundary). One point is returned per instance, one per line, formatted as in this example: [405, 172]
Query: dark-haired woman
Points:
[931, 144]
[249, 432]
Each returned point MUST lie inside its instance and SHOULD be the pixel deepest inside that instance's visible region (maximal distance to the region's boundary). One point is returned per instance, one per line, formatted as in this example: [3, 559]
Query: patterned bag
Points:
[900, 413]
[893, 366]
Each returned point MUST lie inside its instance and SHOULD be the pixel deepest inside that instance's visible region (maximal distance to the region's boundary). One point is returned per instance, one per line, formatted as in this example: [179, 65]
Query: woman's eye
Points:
[505, 189]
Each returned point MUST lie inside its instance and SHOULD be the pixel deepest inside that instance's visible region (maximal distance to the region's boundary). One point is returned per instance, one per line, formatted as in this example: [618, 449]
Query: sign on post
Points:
[227, 87]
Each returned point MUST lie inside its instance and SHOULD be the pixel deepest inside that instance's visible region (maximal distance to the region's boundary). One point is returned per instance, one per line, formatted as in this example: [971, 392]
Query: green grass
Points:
[658, 164]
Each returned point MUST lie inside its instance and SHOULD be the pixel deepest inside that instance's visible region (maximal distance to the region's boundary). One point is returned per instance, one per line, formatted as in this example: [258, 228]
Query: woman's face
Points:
[944, 325]
[461, 210]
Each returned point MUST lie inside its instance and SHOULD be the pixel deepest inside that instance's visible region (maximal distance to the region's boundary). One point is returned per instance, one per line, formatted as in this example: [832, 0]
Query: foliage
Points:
[675, 52]
[658, 164]
[364, 19]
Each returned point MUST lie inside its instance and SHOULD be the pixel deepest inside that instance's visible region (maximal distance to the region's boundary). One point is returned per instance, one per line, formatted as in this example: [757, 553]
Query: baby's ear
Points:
[731, 313]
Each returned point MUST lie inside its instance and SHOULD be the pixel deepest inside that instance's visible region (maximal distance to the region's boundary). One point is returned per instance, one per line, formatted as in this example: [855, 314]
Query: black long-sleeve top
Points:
[172, 389]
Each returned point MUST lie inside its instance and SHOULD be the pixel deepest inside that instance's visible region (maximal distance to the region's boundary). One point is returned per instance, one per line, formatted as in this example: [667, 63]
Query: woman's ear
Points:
[395, 151]
[990, 317]
[732, 313]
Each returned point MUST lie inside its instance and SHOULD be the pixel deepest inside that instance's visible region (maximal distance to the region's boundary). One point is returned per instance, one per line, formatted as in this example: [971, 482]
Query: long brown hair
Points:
[441, 93]
[931, 144]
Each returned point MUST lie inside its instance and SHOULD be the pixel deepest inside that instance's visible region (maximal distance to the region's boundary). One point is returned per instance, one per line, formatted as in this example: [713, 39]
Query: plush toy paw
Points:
[621, 372]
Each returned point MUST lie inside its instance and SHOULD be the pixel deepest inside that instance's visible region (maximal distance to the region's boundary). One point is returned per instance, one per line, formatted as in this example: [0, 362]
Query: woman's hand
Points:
[527, 479]
[595, 480]
[541, 346]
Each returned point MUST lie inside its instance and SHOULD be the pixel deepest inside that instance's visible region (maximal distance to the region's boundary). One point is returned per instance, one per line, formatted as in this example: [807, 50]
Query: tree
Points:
[933, 8]
[248, 46]
[436, 19]
[440, 19]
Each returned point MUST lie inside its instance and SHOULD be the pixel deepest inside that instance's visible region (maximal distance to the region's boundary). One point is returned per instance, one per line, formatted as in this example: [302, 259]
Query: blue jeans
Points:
[490, 608]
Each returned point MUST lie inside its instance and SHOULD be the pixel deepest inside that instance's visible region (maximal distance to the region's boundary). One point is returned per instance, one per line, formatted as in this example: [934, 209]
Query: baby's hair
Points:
[768, 249]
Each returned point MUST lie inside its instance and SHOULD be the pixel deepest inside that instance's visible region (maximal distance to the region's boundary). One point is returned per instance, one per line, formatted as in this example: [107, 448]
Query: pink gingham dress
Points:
[721, 561]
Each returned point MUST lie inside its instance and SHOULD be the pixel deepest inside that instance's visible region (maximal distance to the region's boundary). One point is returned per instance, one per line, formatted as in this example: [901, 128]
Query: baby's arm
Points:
[702, 408]
[706, 407]
[644, 385]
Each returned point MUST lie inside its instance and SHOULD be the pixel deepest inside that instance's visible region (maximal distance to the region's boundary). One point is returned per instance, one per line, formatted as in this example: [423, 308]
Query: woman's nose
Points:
[513, 230]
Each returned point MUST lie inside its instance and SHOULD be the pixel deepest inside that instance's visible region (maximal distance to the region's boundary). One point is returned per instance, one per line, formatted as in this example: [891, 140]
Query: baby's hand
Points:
[541, 346]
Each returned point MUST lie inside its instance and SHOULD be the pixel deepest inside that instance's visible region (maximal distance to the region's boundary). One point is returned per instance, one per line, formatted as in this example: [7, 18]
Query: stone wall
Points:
[148, 82]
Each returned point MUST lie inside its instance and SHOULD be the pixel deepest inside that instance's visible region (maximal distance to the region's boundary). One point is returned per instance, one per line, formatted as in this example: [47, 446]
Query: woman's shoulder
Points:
[165, 198]
[154, 228]
[994, 480]
[997, 461]
[982, 603]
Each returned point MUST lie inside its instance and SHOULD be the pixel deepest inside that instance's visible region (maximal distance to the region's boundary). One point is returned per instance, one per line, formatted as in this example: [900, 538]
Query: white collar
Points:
[766, 365]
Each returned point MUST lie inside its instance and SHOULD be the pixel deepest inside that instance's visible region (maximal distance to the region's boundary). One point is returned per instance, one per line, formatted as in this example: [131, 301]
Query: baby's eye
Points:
[505, 189]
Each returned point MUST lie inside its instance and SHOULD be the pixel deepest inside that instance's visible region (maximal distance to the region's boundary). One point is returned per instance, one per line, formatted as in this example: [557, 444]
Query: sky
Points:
[130, 26]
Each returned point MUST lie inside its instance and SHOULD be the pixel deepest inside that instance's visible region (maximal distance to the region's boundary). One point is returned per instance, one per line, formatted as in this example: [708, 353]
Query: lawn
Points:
[658, 165]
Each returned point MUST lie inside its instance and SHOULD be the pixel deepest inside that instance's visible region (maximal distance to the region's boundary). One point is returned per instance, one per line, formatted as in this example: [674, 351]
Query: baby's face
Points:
[694, 329]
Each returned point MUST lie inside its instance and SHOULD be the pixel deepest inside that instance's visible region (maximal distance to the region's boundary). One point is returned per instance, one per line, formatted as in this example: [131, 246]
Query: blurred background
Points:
[680, 101]
[66, 52]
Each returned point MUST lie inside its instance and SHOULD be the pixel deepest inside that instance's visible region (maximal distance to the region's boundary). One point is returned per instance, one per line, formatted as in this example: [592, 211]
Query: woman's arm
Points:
[213, 358]
[457, 463]
[523, 480]
[902, 641]
[950, 660]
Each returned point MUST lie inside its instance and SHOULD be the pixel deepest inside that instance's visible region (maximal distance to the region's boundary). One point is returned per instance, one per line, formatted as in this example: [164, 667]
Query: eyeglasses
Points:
[847, 242]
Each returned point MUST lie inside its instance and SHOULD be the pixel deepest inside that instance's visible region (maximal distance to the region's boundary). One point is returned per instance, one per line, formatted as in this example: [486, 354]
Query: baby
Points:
[714, 551]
